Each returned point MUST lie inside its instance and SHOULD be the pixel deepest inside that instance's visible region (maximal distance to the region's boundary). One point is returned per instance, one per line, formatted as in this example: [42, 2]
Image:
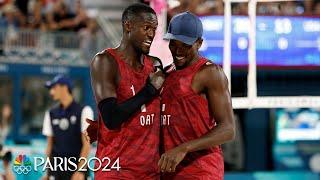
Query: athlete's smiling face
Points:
[142, 29]
[183, 54]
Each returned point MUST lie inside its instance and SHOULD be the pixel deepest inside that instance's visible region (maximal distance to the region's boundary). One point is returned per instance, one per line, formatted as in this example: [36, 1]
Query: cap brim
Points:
[182, 38]
[49, 84]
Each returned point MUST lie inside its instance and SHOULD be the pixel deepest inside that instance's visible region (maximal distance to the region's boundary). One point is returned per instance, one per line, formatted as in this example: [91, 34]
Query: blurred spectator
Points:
[42, 14]
[62, 19]
[22, 5]
[81, 18]
[5, 122]
[6, 157]
[206, 7]
[11, 15]
[219, 7]
[271, 8]
[289, 8]
[70, 15]
[316, 10]
[240, 9]
[199, 7]
[308, 6]
[9, 25]
[8, 16]
[202, 7]
[72, 5]
[10, 22]
[89, 38]
[177, 6]
[59, 18]
[38, 13]
[4, 2]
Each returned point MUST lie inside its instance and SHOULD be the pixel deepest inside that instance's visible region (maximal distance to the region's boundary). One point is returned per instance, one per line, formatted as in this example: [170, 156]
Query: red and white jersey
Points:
[136, 143]
[184, 117]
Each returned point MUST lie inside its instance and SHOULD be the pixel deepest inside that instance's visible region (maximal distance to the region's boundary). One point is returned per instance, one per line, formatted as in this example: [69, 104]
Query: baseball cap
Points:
[185, 27]
[59, 79]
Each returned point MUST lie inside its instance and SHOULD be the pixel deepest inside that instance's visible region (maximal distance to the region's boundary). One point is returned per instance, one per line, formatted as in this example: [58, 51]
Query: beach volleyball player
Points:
[126, 89]
[196, 113]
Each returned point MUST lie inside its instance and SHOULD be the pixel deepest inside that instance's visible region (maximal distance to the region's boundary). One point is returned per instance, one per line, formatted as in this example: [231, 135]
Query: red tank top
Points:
[185, 117]
[136, 143]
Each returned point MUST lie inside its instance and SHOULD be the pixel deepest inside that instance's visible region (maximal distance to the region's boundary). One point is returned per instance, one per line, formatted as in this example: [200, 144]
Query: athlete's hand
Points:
[157, 65]
[170, 68]
[166, 70]
[91, 132]
[169, 160]
[78, 176]
[157, 79]
[86, 135]
[45, 177]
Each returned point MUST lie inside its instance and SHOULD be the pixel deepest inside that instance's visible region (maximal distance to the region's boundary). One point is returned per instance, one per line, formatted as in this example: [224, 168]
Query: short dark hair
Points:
[134, 10]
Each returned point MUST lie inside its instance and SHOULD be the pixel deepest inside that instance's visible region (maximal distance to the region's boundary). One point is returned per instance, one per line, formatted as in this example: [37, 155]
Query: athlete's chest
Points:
[130, 83]
[177, 86]
[148, 115]
[180, 97]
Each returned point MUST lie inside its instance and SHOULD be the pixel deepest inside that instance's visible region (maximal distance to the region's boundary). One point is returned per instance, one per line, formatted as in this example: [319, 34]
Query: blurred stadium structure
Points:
[41, 48]
[277, 106]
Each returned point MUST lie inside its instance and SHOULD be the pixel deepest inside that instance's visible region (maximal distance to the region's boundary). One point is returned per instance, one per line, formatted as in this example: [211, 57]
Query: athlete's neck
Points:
[130, 54]
[193, 60]
[66, 100]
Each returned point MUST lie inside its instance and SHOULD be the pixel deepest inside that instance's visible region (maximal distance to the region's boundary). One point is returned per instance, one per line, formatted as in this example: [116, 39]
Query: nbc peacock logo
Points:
[22, 164]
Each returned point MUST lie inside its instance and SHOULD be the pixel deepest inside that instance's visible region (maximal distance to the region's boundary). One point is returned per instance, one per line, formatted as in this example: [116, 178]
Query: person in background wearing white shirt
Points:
[64, 125]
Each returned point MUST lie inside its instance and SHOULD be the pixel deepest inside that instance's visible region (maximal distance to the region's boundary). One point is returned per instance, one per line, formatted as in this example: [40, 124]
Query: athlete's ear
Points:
[127, 26]
[199, 43]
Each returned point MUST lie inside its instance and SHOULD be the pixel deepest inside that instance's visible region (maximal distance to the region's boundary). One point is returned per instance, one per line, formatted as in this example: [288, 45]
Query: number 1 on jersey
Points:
[143, 107]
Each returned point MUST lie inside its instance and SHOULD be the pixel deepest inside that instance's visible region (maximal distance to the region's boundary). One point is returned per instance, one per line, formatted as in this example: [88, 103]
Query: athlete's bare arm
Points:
[105, 78]
[212, 82]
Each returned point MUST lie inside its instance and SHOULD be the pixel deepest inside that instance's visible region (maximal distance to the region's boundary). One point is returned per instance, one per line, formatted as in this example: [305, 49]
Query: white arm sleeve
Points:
[47, 127]
[87, 112]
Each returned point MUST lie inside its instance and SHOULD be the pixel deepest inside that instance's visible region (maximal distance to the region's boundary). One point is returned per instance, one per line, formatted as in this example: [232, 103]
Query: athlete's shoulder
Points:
[210, 67]
[103, 55]
[211, 74]
[103, 59]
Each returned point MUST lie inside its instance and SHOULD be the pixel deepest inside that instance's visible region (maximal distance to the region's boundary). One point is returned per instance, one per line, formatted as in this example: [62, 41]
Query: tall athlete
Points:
[196, 111]
[126, 91]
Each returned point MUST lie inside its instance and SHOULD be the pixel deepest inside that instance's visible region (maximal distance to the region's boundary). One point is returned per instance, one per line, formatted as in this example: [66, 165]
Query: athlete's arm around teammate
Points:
[105, 78]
